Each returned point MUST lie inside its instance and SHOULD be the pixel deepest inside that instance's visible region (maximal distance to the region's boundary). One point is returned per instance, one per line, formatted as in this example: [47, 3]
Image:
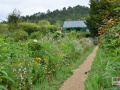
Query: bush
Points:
[35, 47]
[58, 35]
[28, 27]
[35, 35]
[43, 23]
[3, 29]
[20, 35]
[47, 29]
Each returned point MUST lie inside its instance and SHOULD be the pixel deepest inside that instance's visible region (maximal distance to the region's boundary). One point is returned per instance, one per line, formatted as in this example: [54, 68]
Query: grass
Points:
[102, 71]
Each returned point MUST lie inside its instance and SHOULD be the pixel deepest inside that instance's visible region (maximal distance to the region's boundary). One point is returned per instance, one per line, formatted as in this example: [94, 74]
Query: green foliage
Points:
[36, 35]
[111, 41]
[20, 35]
[43, 23]
[57, 35]
[28, 27]
[35, 47]
[80, 35]
[32, 27]
[36, 63]
[47, 29]
[100, 10]
[13, 19]
[118, 8]
[3, 88]
[59, 16]
[4, 29]
[106, 64]
[12, 54]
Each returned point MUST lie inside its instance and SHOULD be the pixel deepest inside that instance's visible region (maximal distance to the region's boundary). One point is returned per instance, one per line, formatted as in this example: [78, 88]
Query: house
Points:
[78, 26]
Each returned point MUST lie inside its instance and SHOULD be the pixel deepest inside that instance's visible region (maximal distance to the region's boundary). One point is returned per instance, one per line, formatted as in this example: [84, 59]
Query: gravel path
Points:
[76, 81]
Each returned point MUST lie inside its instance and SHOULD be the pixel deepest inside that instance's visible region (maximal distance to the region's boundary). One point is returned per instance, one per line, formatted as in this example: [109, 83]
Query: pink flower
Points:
[118, 83]
[117, 35]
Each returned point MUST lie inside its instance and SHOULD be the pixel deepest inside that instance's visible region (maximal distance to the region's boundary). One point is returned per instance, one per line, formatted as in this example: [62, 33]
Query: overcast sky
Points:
[29, 7]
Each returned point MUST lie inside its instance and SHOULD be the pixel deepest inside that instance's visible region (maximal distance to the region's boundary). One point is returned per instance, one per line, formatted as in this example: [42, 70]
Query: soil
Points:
[77, 80]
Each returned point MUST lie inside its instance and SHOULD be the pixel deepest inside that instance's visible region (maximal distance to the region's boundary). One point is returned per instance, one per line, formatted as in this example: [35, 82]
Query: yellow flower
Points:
[38, 58]
[20, 63]
[0, 79]
[35, 62]
[45, 59]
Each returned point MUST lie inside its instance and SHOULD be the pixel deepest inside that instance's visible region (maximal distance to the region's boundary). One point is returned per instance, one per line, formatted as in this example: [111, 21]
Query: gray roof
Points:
[72, 24]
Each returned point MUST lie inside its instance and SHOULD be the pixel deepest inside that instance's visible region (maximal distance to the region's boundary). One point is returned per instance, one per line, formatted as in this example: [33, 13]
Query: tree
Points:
[13, 19]
[70, 13]
[99, 11]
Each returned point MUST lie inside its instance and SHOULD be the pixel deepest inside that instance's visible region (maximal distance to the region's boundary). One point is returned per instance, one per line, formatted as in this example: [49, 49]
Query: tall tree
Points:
[13, 19]
[99, 9]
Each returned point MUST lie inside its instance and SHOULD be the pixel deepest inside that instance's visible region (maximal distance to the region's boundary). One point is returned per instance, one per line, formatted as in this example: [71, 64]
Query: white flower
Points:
[24, 69]
[35, 40]
[14, 70]
[19, 69]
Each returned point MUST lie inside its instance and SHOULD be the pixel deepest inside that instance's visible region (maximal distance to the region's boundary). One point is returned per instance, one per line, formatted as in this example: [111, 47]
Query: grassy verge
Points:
[103, 70]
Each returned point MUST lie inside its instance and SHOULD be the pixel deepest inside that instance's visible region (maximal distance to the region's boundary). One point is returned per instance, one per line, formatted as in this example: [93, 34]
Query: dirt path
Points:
[76, 81]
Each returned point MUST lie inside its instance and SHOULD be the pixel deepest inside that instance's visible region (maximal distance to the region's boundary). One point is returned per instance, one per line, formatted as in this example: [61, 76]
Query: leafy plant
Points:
[20, 35]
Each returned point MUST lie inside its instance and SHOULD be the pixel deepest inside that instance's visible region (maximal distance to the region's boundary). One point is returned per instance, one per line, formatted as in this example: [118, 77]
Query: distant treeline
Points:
[58, 16]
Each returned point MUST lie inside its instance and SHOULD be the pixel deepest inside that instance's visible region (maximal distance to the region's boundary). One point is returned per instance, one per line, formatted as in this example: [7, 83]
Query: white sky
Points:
[29, 7]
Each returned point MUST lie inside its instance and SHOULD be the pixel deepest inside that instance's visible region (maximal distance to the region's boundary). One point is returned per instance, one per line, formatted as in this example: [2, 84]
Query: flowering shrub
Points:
[111, 40]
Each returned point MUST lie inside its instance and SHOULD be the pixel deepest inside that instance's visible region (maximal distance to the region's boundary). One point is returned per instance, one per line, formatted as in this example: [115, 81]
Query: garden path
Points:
[76, 81]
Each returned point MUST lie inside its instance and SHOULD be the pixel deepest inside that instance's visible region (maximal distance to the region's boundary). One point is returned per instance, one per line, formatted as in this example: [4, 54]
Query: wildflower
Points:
[20, 63]
[35, 40]
[117, 35]
[14, 70]
[24, 69]
[45, 59]
[19, 69]
[35, 62]
[118, 83]
[37, 58]
[0, 79]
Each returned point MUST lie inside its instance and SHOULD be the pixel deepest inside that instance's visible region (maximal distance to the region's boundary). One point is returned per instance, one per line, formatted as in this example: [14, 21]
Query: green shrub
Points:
[52, 28]
[4, 29]
[36, 35]
[47, 29]
[43, 23]
[35, 47]
[28, 27]
[58, 35]
[20, 35]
